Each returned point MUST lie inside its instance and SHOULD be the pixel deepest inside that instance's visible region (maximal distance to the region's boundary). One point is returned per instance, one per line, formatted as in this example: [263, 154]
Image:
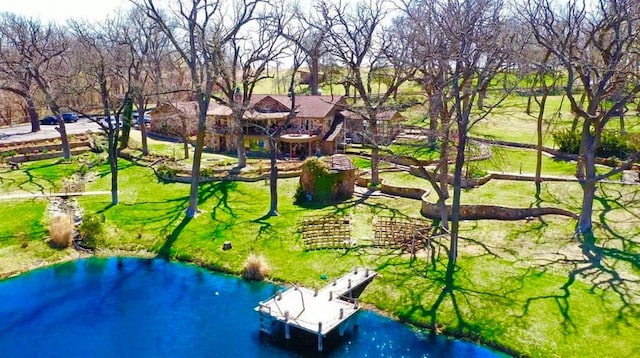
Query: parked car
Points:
[69, 117]
[136, 120]
[49, 120]
[112, 122]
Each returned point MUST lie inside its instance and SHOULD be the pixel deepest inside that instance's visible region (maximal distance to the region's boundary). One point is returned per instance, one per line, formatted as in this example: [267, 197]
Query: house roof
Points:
[338, 162]
[191, 108]
[306, 106]
[382, 116]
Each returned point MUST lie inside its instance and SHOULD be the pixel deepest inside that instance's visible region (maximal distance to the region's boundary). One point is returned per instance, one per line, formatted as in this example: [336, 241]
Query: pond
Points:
[137, 307]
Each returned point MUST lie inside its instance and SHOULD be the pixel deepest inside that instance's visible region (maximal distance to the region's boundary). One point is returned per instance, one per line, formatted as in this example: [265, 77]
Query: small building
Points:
[327, 179]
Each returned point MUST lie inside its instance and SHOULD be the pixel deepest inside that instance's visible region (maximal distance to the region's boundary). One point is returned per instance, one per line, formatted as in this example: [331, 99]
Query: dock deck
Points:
[315, 311]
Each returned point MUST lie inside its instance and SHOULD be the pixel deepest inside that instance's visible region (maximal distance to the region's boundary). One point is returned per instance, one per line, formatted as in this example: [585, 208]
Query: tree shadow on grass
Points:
[220, 191]
[31, 178]
[165, 250]
[609, 263]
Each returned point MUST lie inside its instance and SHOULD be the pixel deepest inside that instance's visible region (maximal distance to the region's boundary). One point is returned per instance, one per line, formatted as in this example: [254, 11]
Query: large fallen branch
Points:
[493, 212]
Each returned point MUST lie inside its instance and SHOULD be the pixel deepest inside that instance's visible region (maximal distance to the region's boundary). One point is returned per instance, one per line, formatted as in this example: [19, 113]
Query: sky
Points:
[62, 10]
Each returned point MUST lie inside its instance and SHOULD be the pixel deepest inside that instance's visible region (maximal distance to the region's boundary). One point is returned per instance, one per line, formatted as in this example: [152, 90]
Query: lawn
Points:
[525, 286]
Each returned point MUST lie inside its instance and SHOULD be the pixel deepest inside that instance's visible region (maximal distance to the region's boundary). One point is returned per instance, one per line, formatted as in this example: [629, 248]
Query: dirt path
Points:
[50, 195]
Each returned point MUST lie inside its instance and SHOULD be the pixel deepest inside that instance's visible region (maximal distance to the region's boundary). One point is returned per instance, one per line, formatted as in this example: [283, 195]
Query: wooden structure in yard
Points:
[407, 233]
[325, 232]
[314, 312]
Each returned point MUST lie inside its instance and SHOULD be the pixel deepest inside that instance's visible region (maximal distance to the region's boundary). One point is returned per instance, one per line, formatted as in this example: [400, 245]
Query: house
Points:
[389, 124]
[316, 125]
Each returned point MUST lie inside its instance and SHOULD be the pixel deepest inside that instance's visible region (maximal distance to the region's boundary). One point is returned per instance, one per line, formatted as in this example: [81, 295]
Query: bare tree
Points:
[358, 42]
[147, 46]
[15, 77]
[106, 65]
[40, 50]
[243, 61]
[597, 48]
[197, 30]
[308, 30]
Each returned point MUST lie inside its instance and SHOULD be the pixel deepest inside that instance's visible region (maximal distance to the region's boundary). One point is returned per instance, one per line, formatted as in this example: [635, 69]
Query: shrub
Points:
[91, 230]
[97, 143]
[614, 144]
[9, 153]
[165, 171]
[61, 230]
[255, 268]
[567, 141]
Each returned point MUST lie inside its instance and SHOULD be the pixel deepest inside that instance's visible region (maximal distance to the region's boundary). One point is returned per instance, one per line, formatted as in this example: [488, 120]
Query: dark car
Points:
[69, 117]
[49, 120]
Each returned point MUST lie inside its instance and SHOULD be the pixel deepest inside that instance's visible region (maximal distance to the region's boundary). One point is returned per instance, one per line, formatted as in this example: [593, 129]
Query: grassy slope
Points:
[513, 297]
[514, 286]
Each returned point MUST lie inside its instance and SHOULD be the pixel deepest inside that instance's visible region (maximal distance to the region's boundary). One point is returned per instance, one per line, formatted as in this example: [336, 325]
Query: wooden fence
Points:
[326, 233]
[401, 232]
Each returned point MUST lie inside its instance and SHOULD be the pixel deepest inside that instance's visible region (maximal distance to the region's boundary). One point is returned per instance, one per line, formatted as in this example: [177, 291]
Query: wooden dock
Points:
[313, 311]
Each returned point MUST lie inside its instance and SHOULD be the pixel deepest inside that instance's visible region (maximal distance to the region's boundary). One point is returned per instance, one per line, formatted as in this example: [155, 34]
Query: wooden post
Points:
[287, 333]
[319, 336]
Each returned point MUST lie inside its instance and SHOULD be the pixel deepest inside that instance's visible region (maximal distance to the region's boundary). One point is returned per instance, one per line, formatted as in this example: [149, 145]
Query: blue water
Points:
[124, 307]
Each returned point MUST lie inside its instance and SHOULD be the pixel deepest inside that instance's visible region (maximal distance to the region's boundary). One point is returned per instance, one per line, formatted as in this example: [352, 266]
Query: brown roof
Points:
[191, 108]
[306, 106]
[382, 116]
[338, 162]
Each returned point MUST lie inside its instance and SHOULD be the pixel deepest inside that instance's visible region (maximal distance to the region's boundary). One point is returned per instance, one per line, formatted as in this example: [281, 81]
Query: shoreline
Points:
[150, 255]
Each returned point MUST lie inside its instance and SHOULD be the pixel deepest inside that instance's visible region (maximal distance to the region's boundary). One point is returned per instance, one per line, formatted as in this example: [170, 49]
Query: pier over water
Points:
[314, 311]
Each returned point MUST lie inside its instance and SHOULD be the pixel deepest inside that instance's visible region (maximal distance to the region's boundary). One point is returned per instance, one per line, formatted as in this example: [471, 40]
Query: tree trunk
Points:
[375, 158]
[112, 140]
[574, 124]
[588, 182]
[273, 176]
[242, 153]
[482, 94]
[314, 74]
[203, 104]
[457, 192]
[126, 123]
[444, 175]
[62, 129]
[33, 114]
[538, 179]
[143, 128]
[435, 107]
[185, 142]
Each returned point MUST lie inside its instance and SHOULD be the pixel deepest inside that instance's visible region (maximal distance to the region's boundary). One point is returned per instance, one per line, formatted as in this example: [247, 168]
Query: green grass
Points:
[524, 285]
[512, 296]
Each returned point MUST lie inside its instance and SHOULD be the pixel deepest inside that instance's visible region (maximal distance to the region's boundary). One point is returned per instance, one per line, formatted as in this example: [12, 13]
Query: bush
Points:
[255, 268]
[165, 171]
[614, 144]
[97, 143]
[91, 230]
[567, 141]
[61, 231]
